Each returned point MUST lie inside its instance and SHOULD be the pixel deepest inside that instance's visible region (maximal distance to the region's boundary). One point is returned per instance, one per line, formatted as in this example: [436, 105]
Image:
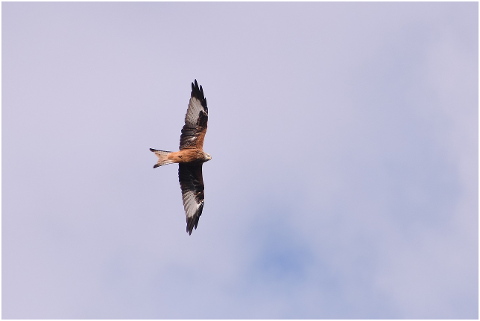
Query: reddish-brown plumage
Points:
[188, 156]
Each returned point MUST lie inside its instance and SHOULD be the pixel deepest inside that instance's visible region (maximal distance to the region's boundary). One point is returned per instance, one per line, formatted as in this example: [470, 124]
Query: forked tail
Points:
[162, 157]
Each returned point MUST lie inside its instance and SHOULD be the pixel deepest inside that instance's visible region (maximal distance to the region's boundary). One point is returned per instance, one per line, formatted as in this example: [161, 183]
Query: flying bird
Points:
[191, 156]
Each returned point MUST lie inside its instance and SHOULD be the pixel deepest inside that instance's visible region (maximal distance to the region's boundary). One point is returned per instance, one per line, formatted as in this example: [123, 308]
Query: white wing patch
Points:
[190, 203]
[193, 111]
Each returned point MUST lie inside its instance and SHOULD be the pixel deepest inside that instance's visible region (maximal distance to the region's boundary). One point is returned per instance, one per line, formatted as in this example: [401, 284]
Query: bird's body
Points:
[191, 156]
[182, 156]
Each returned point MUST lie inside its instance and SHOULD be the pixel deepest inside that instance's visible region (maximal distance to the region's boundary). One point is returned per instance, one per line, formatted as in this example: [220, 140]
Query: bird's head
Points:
[207, 157]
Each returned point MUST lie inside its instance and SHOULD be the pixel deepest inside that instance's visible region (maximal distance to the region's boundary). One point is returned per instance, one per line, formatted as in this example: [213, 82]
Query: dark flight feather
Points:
[191, 183]
[196, 118]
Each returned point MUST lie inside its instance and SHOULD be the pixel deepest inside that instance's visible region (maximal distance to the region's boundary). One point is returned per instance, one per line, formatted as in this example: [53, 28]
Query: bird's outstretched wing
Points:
[191, 183]
[195, 128]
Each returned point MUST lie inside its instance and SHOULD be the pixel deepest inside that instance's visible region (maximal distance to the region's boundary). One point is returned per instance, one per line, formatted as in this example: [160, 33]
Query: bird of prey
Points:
[191, 156]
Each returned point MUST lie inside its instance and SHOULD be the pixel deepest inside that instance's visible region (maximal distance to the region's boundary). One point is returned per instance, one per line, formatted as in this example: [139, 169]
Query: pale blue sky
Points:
[344, 177]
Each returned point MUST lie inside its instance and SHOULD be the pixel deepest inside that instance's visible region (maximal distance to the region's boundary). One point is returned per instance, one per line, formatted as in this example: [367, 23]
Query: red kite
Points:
[191, 156]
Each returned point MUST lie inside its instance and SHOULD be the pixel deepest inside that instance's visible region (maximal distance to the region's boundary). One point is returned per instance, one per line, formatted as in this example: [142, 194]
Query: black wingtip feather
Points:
[197, 92]
[192, 222]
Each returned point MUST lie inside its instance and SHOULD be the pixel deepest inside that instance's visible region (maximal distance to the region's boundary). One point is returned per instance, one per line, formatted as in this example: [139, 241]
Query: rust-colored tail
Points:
[162, 157]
